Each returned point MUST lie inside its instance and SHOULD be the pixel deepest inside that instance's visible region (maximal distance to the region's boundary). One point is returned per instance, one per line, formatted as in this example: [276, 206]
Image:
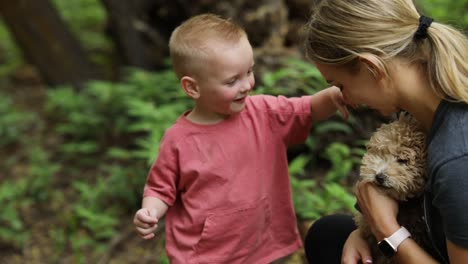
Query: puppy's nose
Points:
[380, 178]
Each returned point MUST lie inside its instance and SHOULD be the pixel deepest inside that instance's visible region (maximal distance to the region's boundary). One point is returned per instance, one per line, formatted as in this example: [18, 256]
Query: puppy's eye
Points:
[402, 161]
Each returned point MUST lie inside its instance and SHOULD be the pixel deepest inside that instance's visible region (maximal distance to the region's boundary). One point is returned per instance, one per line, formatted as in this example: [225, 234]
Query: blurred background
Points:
[86, 92]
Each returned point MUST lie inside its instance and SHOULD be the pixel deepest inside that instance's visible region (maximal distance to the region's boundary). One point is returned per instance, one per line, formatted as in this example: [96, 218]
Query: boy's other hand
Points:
[146, 222]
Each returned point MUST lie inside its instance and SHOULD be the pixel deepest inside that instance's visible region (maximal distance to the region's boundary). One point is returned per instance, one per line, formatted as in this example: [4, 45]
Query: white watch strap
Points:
[396, 238]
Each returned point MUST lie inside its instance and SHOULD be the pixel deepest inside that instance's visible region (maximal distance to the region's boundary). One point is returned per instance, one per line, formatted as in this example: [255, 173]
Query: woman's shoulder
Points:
[450, 126]
[449, 135]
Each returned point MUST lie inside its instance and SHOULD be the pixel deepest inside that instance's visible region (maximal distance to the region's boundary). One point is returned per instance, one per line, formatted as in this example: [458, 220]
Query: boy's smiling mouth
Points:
[240, 100]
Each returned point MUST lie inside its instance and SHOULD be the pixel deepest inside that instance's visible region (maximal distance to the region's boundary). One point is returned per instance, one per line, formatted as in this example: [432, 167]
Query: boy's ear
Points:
[374, 65]
[190, 87]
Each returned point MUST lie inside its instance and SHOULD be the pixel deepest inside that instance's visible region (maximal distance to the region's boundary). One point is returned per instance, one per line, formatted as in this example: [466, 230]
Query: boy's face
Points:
[226, 79]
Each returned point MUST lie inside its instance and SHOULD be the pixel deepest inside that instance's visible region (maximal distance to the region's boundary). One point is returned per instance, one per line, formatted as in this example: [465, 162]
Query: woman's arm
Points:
[381, 212]
[457, 254]
[410, 252]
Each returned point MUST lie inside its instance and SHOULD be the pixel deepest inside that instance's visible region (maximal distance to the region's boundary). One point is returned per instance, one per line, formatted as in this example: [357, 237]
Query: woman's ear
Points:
[190, 87]
[375, 65]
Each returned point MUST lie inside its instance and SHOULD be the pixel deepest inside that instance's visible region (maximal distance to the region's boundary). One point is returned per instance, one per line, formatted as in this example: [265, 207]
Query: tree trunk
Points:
[46, 42]
[140, 45]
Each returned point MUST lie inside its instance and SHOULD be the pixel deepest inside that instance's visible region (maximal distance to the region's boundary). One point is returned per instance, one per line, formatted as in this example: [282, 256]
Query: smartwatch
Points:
[388, 246]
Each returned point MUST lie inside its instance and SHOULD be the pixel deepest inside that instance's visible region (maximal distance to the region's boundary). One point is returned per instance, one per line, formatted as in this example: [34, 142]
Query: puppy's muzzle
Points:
[380, 178]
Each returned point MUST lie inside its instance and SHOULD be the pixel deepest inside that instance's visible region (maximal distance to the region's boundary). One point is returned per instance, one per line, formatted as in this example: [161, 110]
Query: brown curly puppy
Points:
[395, 161]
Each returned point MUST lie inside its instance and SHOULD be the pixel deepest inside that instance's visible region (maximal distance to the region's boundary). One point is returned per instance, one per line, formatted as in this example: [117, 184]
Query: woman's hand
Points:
[379, 210]
[355, 250]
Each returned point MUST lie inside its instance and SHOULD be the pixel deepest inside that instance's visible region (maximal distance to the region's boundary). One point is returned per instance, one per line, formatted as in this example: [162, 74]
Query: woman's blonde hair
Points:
[190, 42]
[339, 32]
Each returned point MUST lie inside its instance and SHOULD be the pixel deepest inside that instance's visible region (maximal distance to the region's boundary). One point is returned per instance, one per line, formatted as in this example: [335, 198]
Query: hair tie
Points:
[424, 23]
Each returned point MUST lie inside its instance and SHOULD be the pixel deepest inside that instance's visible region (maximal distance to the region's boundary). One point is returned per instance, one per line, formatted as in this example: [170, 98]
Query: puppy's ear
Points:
[375, 65]
[190, 87]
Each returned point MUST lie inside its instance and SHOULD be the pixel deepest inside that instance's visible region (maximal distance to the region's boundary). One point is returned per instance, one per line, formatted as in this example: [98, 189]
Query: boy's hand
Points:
[339, 101]
[146, 221]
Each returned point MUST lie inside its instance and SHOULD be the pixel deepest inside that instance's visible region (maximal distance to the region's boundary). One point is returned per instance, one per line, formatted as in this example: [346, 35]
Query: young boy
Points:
[222, 172]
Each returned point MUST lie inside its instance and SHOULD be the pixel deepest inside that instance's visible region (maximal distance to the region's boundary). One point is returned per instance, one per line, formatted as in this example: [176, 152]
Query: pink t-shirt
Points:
[227, 185]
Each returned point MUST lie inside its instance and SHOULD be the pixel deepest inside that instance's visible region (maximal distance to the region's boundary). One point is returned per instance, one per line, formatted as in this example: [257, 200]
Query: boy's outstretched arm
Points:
[326, 102]
[146, 219]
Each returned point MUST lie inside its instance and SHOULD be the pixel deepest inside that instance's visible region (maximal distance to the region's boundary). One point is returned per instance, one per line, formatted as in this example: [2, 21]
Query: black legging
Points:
[326, 237]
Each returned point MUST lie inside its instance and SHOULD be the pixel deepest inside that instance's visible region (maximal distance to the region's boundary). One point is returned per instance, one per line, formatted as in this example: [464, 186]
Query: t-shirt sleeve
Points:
[162, 178]
[451, 198]
[290, 117]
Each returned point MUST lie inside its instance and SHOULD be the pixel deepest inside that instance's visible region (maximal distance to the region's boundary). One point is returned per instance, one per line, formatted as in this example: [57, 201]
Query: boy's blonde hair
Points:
[190, 42]
[341, 31]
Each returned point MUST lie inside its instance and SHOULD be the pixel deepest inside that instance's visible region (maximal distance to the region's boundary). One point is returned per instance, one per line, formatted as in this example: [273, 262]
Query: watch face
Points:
[386, 249]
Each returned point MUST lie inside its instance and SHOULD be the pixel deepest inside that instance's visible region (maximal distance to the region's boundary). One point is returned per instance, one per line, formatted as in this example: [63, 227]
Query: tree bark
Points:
[46, 42]
[140, 44]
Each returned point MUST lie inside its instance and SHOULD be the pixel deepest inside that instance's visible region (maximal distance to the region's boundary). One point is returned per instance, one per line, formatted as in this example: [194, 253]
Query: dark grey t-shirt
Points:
[447, 169]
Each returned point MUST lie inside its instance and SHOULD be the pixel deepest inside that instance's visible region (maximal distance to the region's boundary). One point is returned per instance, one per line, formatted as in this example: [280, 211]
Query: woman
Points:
[385, 55]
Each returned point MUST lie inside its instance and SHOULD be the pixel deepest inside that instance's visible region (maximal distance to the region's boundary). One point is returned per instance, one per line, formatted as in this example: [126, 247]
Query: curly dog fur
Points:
[395, 161]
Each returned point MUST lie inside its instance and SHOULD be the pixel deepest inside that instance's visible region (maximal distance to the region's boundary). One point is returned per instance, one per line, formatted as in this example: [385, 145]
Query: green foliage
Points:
[12, 229]
[303, 198]
[10, 56]
[342, 160]
[453, 12]
[14, 123]
[313, 198]
[163, 259]
[60, 239]
[87, 20]
[18, 195]
[100, 204]
[296, 77]
[82, 15]
[327, 127]
[80, 243]
[333, 126]
[112, 117]
[40, 175]
[101, 224]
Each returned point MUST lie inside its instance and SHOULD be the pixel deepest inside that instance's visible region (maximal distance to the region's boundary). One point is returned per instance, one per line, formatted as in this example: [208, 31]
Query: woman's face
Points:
[360, 86]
